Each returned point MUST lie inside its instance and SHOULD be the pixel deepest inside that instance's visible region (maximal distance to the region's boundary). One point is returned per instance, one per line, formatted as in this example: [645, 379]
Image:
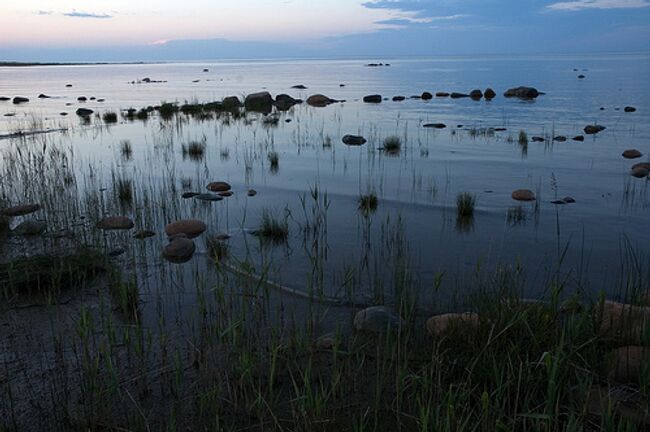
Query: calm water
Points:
[418, 187]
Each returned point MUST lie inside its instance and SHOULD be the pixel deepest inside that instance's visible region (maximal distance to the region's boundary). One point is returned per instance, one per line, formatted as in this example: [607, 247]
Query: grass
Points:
[124, 189]
[368, 202]
[273, 228]
[195, 150]
[49, 273]
[218, 249]
[523, 138]
[124, 294]
[274, 159]
[465, 202]
[392, 144]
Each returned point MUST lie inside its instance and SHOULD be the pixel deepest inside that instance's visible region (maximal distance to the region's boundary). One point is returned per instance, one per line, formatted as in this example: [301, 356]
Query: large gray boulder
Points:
[259, 102]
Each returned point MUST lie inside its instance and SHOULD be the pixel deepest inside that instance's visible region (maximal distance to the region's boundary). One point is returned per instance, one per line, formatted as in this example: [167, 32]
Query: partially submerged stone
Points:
[179, 250]
[523, 195]
[30, 228]
[377, 319]
[632, 154]
[21, 210]
[440, 324]
[190, 227]
[353, 140]
[115, 223]
[218, 186]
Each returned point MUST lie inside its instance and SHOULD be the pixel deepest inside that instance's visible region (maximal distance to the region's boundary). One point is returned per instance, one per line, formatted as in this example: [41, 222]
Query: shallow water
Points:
[418, 187]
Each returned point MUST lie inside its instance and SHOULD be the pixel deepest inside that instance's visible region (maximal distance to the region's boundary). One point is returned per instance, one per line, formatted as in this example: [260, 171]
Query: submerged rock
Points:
[632, 154]
[190, 227]
[21, 210]
[30, 228]
[639, 172]
[559, 138]
[594, 129]
[143, 234]
[377, 319]
[435, 125]
[187, 195]
[522, 92]
[442, 94]
[476, 94]
[372, 98]
[44, 96]
[299, 87]
[578, 138]
[319, 100]
[354, 140]
[456, 95]
[398, 98]
[115, 223]
[208, 197]
[218, 186]
[538, 139]
[629, 109]
[489, 93]
[19, 99]
[179, 250]
[440, 324]
[523, 195]
[565, 200]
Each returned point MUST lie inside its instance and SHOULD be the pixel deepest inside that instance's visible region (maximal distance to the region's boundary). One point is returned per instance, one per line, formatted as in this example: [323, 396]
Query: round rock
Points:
[639, 172]
[30, 228]
[355, 140]
[523, 195]
[632, 154]
[190, 227]
[377, 319]
[439, 324]
[218, 186]
[115, 223]
[179, 250]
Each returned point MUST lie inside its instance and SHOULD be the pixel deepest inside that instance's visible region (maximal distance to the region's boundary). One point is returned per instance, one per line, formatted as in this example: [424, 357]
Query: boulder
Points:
[476, 94]
[522, 92]
[30, 228]
[538, 139]
[398, 98]
[594, 129]
[19, 99]
[440, 324]
[82, 98]
[372, 98]
[581, 76]
[426, 96]
[189, 227]
[645, 165]
[489, 93]
[578, 138]
[523, 195]
[435, 125]
[442, 94]
[188, 195]
[353, 140]
[208, 197]
[639, 172]
[251, 192]
[622, 321]
[565, 200]
[377, 319]
[20, 210]
[629, 109]
[4, 98]
[284, 102]
[632, 154]
[299, 87]
[319, 100]
[559, 138]
[179, 250]
[259, 102]
[44, 96]
[455, 95]
[115, 223]
[84, 112]
[218, 186]
[231, 103]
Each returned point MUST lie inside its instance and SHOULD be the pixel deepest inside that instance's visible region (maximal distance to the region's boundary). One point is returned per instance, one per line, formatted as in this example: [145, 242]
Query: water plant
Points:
[392, 144]
[465, 202]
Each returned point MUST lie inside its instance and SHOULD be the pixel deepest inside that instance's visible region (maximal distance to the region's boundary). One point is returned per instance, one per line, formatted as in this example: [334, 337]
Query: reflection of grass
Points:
[126, 149]
[516, 215]
[523, 137]
[368, 202]
[195, 150]
[274, 160]
[110, 117]
[124, 189]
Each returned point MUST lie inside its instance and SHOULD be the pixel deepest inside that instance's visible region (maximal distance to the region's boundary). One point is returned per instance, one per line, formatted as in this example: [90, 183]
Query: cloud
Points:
[577, 5]
[75, 14]
[43, 12]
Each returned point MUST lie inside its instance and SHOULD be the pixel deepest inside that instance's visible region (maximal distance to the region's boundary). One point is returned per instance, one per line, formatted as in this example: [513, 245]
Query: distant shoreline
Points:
[31, 64]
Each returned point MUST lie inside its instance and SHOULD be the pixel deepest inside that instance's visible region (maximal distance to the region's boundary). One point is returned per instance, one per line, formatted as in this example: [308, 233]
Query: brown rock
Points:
[115, 223]
[218, 186]
[21, 210]
[319, 100]
[639, 172]
[190, 227]
[179, 250]
[523, 195]
[622, 321]
[440, 324]
[627, 363]
[632, 154]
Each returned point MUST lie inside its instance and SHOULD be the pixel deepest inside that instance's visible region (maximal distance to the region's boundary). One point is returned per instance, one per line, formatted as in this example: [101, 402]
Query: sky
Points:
[127, 30]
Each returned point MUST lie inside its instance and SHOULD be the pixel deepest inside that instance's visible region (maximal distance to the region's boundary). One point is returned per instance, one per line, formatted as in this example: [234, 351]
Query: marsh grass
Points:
[124, 293]
[126, 150]
[195, 150]
[49, 273]
[219, 249]
[392, 145]
[274, 160]
[465, 202]
[368, 202]
[522, 138]
[124, 190]
[273, 228]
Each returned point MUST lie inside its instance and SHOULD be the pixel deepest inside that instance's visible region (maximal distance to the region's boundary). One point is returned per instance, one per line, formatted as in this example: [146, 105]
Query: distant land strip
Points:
[29, 64]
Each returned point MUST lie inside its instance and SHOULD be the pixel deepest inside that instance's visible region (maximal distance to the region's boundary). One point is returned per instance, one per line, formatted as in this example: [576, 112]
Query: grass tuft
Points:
[465, 202]
[392, 144]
